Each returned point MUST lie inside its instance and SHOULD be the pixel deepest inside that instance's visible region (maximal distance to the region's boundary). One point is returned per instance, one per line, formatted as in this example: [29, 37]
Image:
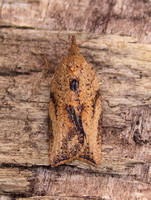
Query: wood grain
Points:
[131, 18]
[14, 181]
[124, 70]
[60, 197]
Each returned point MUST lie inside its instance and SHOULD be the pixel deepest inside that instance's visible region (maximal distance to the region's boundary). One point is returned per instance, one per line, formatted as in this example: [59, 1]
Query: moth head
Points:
[74, 49]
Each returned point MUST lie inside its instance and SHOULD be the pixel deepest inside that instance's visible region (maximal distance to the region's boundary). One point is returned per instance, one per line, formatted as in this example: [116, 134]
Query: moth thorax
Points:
[74, 49]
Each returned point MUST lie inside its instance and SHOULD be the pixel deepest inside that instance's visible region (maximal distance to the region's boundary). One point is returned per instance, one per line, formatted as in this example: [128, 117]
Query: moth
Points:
[75, 110]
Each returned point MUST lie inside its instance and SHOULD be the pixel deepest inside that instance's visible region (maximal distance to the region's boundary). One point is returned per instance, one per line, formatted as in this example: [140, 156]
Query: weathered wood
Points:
[59, 198]
[4, 197]
[131, 18]
[14, 181]
[79, 183]
[125, 89]
[67, 181]
[124, 70]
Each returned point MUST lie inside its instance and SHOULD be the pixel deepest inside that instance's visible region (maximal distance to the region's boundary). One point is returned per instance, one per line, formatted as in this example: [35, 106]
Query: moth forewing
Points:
[75, 110]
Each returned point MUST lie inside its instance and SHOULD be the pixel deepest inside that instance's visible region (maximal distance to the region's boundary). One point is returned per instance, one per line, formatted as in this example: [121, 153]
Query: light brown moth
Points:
[75, 110]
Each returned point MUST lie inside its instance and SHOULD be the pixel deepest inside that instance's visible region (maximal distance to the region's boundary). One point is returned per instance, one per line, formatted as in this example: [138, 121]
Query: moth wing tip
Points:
[90, 161]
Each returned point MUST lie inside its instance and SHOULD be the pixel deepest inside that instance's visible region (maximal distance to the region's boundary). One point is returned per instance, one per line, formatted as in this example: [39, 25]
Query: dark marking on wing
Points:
[85, 157]
[71, 136]
[68, 150]
[99, 129]
[74, 140]
[54, 102]
[97, 95]
[100, 122]
[74, 85]
[76, 119]
[80, 108]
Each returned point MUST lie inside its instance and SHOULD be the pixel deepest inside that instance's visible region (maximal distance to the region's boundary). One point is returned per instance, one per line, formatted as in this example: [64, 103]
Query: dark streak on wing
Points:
[76, 119]
[80, 108]
[97, 95]
[74, 85]
[67, 153]
[99, 122]
[99, 129]
[88, 158]
[54, 102]
[68, 150]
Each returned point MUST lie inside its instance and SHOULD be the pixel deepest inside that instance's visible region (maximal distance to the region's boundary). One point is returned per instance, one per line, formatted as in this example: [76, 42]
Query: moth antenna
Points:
[89, 40]
[104, 34]
[58, 36]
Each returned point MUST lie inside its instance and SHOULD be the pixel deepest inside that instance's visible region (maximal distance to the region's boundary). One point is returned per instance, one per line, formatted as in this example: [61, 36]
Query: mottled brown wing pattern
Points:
[68, 134]
[75, 109]
[91, 125]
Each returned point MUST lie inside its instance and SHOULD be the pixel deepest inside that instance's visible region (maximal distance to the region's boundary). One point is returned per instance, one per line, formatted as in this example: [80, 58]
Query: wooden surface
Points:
[131, 18]
[123, 66]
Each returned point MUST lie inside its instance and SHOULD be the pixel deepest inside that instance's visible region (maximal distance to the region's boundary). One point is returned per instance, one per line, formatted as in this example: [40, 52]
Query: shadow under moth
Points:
[75, 110]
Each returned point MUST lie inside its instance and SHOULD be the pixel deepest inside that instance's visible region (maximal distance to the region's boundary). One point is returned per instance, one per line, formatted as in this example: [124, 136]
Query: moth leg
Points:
[91, 124]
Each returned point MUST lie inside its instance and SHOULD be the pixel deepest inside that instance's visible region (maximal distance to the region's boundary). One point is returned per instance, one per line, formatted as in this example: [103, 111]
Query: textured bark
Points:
[131, 17]
[58, 198]
[123, 66]
[14, 180]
